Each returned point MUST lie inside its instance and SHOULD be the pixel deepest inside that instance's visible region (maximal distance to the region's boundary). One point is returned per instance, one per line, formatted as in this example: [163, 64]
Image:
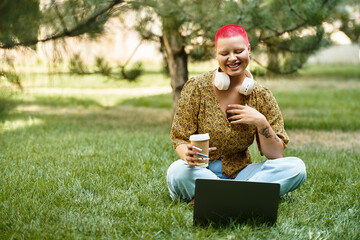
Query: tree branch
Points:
[60, 17]
[295, 13]
[291, 29]
[274, 70]
[133, 53]
[76, 31]
[287, 49]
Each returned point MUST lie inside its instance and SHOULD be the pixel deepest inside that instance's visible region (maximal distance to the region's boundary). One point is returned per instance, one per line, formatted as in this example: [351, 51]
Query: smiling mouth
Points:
[234, 65]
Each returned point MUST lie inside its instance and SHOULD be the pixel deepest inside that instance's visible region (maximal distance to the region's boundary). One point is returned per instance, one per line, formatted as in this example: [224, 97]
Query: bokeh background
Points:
[87, 93]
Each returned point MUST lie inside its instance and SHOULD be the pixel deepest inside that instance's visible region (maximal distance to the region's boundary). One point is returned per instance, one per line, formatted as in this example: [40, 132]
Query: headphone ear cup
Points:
[221, 80]
[247, 86]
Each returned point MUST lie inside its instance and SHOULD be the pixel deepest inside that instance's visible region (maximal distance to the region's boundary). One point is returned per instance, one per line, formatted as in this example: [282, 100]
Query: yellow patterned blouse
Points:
[198, 111]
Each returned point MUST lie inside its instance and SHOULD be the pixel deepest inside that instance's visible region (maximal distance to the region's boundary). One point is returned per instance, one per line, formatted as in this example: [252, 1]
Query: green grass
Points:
[157, 101]
[73, 168]
[90, 81]
[340, 71]
[321, 109]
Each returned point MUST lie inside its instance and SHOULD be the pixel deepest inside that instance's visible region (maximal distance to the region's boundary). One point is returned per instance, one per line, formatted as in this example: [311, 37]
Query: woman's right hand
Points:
[187, 152]
[191, 158]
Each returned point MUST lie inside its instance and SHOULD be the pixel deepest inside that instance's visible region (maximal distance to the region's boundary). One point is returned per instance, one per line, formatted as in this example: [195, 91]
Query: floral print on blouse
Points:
[198, 111]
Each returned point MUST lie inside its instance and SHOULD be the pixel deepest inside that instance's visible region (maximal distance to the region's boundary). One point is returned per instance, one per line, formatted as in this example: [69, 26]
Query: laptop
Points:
[223, 201]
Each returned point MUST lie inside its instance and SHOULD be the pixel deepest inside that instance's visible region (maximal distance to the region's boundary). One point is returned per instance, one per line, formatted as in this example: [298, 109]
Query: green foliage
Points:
[8, 79]
[77, 65]
[258, 70]
[348, 14]
[133, 73]
[6, 101]
[19, 21]
[12, 77]
[288, 32]
[9, 74]
[102, 67]
[201, 53]
[71, 16]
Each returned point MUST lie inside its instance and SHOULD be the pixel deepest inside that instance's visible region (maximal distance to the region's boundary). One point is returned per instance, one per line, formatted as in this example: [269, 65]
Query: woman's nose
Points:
[232, 57]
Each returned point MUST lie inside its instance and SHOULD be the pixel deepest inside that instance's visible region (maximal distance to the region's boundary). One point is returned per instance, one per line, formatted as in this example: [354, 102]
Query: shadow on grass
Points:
[7, 103]
[121, 118]
[156, 101]
[60, 101]
[83, 165]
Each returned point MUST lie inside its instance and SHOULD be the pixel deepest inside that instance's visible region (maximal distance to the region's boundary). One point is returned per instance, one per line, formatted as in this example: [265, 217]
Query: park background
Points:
[85, 122]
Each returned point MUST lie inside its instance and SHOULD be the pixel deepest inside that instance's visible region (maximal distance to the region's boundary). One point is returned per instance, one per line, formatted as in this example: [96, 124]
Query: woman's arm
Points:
[271, 145]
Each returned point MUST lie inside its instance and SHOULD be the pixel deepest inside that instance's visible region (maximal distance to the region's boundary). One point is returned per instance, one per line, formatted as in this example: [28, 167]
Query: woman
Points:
[234, 109]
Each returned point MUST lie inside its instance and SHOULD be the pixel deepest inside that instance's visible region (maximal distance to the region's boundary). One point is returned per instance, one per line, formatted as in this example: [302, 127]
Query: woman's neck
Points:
[237, 80]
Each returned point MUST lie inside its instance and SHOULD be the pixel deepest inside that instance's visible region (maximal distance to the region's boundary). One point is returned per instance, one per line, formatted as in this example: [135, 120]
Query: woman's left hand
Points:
[243, 114]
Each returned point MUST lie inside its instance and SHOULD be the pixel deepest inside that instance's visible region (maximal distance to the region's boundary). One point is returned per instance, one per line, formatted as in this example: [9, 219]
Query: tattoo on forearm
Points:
[266, 133]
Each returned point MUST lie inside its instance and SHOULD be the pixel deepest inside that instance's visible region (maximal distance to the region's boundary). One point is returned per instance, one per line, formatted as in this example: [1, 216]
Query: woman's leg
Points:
[290, 172]
[181, 179]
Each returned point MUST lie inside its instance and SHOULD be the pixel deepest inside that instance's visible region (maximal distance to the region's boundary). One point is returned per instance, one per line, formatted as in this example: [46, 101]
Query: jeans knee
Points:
[175, 172]
[179, 181]
[299, 167]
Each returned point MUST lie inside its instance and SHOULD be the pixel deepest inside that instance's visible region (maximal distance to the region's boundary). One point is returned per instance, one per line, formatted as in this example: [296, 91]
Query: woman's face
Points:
[232, 55]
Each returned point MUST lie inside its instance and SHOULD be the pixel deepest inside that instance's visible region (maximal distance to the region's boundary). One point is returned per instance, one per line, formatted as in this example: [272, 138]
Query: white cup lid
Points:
[199, 137]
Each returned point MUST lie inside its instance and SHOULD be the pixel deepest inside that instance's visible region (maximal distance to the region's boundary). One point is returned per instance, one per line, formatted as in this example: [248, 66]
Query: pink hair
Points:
[231, 30]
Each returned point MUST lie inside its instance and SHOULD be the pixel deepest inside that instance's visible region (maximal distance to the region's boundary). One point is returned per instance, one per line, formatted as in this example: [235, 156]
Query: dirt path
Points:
[335, 139]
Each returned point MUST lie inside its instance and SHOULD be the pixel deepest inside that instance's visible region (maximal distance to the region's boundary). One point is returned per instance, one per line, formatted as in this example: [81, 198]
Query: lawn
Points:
[79, 165]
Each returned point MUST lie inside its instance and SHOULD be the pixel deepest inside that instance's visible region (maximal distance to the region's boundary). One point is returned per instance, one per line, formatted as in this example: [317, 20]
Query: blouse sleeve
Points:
[185, 122]
[270, 109]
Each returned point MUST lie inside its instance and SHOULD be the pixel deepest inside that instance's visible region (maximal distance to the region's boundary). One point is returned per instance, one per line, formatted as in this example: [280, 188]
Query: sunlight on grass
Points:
[328, 70]
[8, 125]
[90, 81]
[101, 173]
[93, 165]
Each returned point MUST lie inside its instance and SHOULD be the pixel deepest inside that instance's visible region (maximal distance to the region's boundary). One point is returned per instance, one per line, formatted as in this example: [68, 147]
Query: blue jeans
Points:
[289, 172]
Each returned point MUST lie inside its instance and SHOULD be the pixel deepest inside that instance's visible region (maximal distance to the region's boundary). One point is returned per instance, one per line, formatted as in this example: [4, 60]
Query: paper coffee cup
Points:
[201, 141]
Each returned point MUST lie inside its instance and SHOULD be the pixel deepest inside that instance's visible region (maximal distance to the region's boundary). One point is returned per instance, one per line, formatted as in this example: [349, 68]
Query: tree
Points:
[19, 24]
[27, 22]
[286, 32]
[349, 16]
[283, 33]
[178, 29]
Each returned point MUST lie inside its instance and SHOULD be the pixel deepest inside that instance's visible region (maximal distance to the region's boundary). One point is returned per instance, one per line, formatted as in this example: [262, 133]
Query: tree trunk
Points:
[177, 63]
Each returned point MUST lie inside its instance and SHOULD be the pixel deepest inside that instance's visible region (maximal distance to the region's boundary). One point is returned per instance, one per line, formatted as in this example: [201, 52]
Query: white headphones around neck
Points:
[222, 82]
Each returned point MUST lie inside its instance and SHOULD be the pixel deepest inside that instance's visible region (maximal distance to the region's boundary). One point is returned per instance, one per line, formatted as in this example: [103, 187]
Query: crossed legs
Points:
[289, 172]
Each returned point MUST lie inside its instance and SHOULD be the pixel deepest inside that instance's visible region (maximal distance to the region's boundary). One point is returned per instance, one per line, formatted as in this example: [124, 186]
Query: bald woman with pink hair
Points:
[234, 109]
